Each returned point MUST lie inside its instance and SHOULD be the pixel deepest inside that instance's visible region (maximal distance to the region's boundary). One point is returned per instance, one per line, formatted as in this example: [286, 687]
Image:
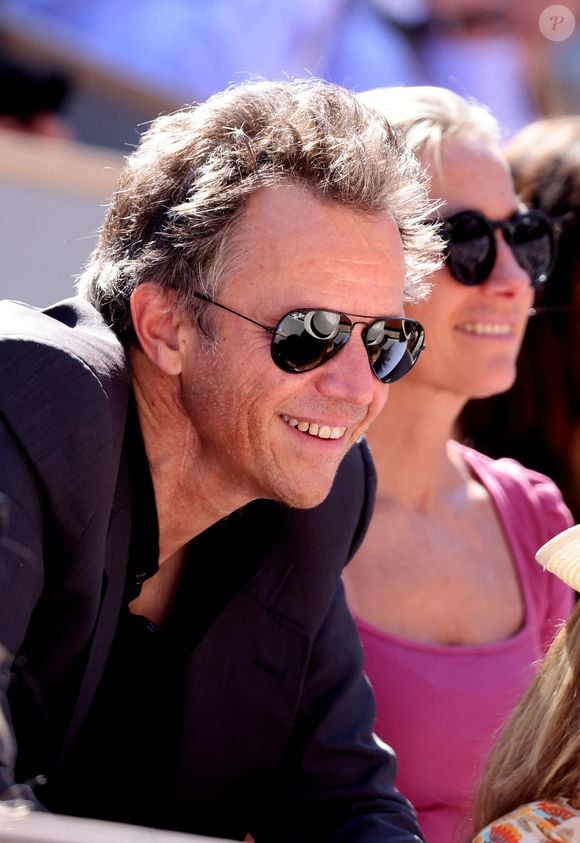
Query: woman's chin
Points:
[496, 387]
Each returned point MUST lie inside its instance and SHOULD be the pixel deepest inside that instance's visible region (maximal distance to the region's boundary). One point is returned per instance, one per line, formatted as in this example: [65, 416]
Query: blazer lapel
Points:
[113, 588]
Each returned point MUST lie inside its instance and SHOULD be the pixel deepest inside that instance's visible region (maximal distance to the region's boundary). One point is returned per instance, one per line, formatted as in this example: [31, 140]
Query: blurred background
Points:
[80, 79]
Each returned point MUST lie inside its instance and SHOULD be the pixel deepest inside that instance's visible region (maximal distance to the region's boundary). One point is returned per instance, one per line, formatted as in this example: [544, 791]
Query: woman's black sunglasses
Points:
[472, 250]
[305, 339]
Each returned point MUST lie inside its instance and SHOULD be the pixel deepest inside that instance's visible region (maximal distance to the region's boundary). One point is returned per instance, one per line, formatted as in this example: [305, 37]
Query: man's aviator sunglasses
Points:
[305, 339]
[472, 248]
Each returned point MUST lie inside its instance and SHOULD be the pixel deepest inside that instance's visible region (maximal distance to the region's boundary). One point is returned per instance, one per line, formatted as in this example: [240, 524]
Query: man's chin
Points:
[310, 497]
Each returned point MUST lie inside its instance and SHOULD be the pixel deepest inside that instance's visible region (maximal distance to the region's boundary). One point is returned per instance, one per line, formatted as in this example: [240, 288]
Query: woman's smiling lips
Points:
[487, 328]
[321, 431]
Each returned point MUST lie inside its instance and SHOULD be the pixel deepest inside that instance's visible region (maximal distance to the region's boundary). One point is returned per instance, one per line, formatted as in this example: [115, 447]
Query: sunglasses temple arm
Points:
[537, 311]
[206, 299]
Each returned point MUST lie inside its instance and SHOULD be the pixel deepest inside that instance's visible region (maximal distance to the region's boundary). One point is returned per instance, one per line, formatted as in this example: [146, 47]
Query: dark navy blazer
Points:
[277, 739]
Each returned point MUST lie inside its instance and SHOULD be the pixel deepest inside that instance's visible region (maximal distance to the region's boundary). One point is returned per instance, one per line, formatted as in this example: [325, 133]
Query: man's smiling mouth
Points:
[322, 431]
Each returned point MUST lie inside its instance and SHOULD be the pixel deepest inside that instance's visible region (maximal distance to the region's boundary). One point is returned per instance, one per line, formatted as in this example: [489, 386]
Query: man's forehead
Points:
[294, 249]
[293, 211]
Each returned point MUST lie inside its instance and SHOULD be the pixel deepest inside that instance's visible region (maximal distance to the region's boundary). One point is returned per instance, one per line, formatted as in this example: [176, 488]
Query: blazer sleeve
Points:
[21, 583]
[339, 779]
[60, 417]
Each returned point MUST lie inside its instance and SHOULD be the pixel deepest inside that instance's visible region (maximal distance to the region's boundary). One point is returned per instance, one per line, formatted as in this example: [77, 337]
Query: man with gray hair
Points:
[183, 480]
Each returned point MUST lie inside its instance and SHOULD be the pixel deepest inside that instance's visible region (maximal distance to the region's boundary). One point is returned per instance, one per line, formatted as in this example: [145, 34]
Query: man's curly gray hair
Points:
[185, 186]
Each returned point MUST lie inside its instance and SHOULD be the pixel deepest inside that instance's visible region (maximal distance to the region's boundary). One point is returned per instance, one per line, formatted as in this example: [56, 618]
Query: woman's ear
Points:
[157, 321]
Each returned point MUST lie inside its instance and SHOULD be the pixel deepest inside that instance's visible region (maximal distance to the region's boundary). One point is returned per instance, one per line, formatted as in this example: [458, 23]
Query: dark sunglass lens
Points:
[393, 346]
[306, 339]
[532, 243]
[470, 247]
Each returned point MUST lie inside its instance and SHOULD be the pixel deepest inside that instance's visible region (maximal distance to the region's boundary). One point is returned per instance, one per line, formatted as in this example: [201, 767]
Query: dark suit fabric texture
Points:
[276, 736]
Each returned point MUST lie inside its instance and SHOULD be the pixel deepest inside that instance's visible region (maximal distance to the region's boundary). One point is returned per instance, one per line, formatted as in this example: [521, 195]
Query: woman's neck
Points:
[409, 443]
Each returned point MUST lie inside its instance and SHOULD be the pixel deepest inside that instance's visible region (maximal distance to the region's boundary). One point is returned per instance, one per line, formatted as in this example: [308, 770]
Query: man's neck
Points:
[184, 489]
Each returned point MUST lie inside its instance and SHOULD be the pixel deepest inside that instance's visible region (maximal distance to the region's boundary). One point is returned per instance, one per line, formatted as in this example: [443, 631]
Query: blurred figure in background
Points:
[475, 47]
[551, 53]
[32, 99]
[194, 49]
[491, 50]
[452, 610]
[538, 421]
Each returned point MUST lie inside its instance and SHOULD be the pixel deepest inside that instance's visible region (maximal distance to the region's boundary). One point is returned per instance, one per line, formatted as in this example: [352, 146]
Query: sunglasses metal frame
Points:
[287, 367]
[508, 227]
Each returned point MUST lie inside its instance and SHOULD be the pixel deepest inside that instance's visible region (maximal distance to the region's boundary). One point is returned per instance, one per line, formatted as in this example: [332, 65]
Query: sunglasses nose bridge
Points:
[507, 276]
[365, 326]
[503, 227]
[359, 322]
[363, 333]
[347, 374]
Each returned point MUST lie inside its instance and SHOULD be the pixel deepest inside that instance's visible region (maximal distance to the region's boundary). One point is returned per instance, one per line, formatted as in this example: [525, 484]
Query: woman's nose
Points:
[507, 277]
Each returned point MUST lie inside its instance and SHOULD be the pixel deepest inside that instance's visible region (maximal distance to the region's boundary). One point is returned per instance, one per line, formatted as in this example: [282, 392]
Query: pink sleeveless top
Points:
[440, 706]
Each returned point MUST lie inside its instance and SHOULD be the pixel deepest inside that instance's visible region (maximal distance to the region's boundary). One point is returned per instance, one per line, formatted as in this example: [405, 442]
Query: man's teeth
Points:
[493, 328]
[322, 431]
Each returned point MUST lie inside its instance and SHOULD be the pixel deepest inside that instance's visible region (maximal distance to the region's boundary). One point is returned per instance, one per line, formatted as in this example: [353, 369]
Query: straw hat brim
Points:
[561, 556]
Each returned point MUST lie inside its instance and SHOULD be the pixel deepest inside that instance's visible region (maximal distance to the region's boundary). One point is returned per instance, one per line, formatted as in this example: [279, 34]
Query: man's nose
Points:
[348, 375]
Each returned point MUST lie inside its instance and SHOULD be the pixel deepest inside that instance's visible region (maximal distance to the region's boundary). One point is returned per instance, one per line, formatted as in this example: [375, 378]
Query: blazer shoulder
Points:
[72, 332]
[65, 389]
[66, 352]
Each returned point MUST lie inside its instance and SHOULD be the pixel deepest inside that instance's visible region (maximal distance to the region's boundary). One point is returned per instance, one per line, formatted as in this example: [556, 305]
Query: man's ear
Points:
[157, 321]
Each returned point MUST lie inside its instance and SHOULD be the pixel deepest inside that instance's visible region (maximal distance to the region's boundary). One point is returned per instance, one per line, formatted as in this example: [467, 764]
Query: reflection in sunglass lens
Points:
[304, 341]
[322, 324]
[396, 352]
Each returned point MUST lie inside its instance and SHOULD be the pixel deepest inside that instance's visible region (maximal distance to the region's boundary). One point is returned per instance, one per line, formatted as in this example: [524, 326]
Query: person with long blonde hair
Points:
[532, 778]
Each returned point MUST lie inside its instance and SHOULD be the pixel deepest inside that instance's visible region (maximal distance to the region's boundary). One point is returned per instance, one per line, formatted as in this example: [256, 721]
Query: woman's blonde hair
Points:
[537, 755]
[428, 115]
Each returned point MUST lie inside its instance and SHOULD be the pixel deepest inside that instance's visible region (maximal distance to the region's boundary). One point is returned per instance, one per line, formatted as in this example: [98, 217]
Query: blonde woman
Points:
[532, 779]
[451, 607]
[538, 420]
